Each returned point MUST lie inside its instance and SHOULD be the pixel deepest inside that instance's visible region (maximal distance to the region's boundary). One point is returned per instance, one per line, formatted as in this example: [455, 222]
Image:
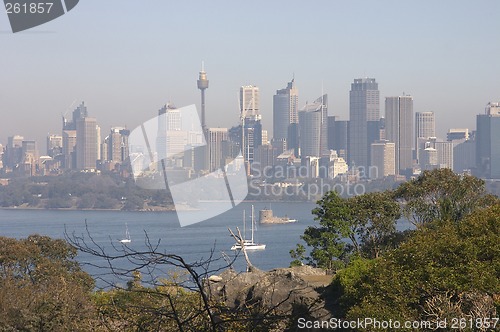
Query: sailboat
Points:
[248, 244]
[127, 236]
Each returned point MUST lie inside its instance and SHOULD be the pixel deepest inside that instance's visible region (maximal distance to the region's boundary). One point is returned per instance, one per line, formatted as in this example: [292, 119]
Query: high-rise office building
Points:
[487, 142]
[69, 135]
[464, 156]
[425, 127]
[313, 129]
[30, 157]
[252, 127]
[252, 137]
[444, 154]
[14, 151]
[263, 161]
[399, 130]
[69, 149]
[78, 113]
[338, 135]
[285, 110]
[250, 101]
[115, 146]
[54, 145]
[170, 139]
[86, 143]
[215, 138]
[364, 107]
[310, 131]
[383, 159]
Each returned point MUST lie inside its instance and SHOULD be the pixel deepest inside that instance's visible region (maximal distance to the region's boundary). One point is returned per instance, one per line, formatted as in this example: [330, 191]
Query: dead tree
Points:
[241, 241]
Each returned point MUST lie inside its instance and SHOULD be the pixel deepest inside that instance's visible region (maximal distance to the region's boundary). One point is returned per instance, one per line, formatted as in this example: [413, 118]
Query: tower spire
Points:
[203, 85]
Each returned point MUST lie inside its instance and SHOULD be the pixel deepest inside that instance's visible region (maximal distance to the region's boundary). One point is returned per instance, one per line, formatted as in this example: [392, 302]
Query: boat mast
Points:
[252, 223]
[244, 227]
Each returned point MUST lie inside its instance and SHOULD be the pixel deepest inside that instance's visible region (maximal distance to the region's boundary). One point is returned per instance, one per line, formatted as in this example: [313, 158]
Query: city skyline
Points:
[121, 71]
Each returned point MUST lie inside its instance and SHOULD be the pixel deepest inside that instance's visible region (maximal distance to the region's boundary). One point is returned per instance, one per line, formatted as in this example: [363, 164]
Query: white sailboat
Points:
[127, 236]
[248, 244]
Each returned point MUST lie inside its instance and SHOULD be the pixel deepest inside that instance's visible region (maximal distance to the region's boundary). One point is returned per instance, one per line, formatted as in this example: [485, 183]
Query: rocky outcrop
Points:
[284, 291]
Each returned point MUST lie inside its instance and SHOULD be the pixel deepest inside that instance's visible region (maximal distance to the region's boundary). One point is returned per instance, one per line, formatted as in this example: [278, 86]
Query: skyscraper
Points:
[78, 113]
[364, 107]
[399, 129]
[487, 142]
[54, 145]
[115, 147]
[14, 151]
[425, 127]
[313, 128]
[250, 101]
[250, 114]
[285, 106]
[215, 138]
[310, 130]
[86, 143]
[69, 135]
[69, 146]
[383, 158]
[338, 135]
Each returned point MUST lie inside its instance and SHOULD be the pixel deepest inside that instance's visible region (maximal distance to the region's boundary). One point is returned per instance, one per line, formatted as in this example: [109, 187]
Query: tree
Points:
[359, 226]
[329, 250]
[42, 288]
[441, 194]
[374, 219]
[450, 270]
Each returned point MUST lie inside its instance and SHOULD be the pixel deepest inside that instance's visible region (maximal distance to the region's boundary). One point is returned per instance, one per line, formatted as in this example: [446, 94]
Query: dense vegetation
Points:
[447, 267]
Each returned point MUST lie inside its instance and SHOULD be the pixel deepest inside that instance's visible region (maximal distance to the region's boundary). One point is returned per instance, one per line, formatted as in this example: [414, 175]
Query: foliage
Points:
[359, 226]
[166, 307]
[442, 195]
[42, 288]
[81, 191]
[298, 255]
[445, 270]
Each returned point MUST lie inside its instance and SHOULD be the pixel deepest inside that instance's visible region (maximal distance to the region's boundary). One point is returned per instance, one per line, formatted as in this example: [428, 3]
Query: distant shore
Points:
[147, 209]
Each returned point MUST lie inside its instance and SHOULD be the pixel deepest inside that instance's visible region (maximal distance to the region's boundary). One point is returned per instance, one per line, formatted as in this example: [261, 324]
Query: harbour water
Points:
[193, 243]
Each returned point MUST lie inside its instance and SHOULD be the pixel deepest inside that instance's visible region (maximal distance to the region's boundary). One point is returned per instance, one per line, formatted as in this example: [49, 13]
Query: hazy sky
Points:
[126, 58]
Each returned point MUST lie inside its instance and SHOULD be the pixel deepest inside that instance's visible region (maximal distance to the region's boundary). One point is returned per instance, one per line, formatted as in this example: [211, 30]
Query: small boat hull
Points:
[250, 246]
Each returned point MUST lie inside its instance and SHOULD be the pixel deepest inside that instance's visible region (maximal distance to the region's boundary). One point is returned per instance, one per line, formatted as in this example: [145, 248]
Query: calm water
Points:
[193, 243]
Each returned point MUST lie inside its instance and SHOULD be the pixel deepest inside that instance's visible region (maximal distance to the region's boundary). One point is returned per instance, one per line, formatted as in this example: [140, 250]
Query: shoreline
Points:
[156, 209]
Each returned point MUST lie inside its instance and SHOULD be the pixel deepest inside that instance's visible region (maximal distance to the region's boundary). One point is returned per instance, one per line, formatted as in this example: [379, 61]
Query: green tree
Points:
[359, 226]
[374, 219]
[448, 270]
[329, 250]
[42, 288]
[441, 194]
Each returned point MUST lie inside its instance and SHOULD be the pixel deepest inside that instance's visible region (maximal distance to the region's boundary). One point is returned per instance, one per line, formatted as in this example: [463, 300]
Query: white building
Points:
[425, 127]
